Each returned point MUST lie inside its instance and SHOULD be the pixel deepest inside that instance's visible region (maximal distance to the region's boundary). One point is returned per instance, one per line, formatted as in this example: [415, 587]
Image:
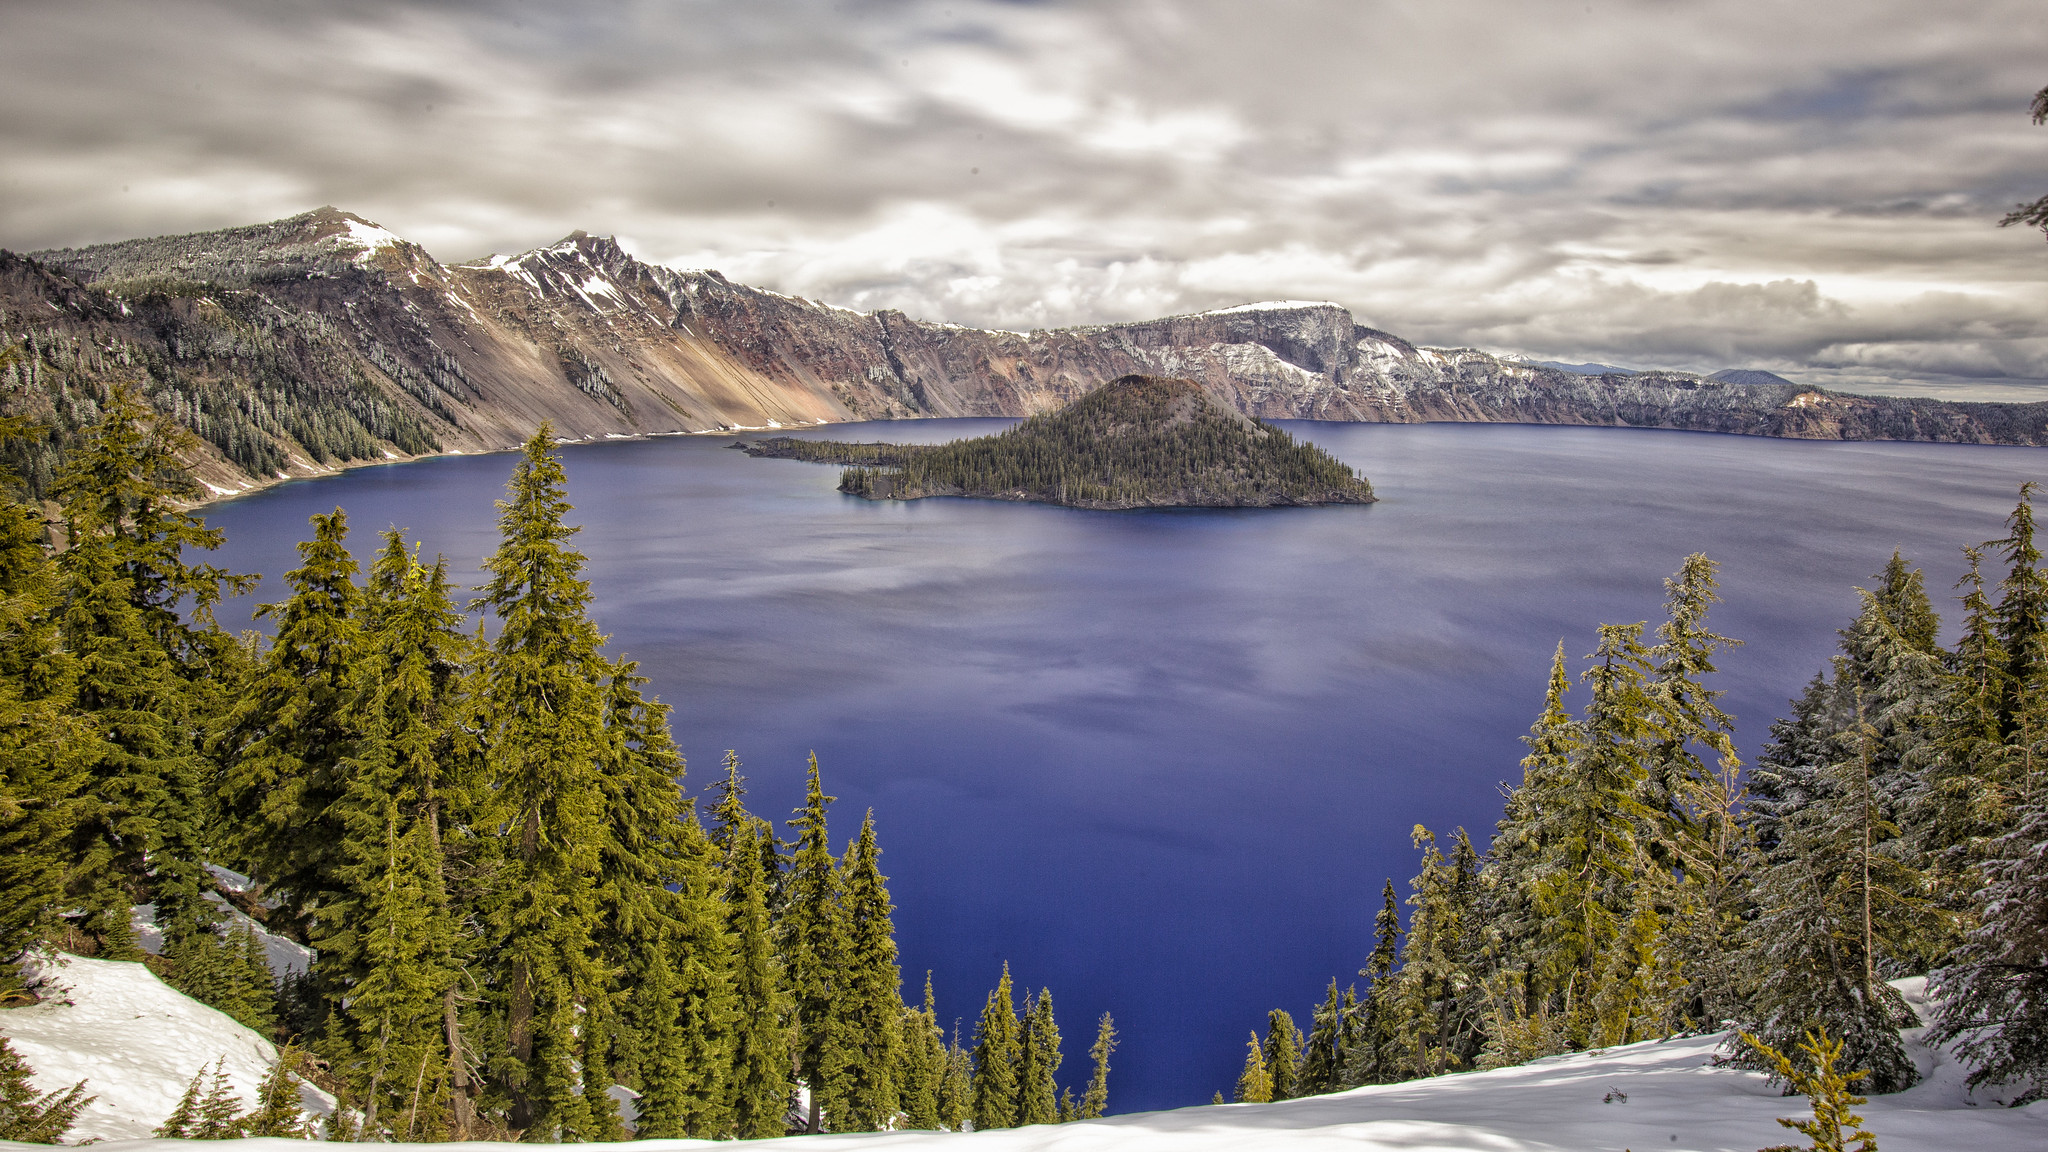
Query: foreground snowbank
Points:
[134, 1040]
[138, 1042]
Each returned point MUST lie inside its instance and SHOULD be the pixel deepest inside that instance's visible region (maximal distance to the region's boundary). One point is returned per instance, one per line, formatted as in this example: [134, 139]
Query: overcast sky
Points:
[1810, 186]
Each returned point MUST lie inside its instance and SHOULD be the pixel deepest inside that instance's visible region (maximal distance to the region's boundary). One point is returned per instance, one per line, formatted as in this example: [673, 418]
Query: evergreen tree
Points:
[814, 948]
[47, 746]
[2022, 612]
[1283, 1053]
[871, 1007]
[760, 1079]
[1961, 805]
[1254, 1083]
[1835, 1123]
[277, 1102]
[1096, 1099]
[1369, 1027]
[543, 728]
[1321, 1055]
[663, 924]
[997, 1047]
[1834, 899]
[212, 1114]
[1038, 1059]
[923, 1064]
[391, 940]
[956, 1088]
[178, 1125]
[1993, 994]
[147, 681]
[1434, 996]
[291, 735]
[32, 1117]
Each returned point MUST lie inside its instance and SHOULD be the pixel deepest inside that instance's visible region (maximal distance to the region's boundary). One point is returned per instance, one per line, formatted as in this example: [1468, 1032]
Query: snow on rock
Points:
[134, 1040]
[365, 236]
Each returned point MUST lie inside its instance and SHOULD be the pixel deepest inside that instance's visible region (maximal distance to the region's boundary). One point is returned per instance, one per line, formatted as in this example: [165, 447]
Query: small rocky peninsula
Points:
[1135, 442]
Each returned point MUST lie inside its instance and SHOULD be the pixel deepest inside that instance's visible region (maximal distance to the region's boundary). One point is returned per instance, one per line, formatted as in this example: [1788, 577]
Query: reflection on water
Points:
[1162, 761]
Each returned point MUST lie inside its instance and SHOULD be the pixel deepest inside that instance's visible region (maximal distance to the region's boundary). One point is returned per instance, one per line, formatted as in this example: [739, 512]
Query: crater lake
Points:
[1161, 762]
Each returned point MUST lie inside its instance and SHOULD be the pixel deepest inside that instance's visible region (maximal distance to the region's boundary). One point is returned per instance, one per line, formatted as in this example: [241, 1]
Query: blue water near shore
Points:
[1161, 762]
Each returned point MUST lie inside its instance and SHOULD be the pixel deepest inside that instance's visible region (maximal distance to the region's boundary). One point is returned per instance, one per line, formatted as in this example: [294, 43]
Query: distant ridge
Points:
[1585, 369]
[323, 340]
[1755, 377]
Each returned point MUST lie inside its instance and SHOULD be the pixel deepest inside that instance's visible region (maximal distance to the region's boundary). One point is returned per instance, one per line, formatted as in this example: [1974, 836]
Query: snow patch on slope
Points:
[364, 236]
[134, 1040]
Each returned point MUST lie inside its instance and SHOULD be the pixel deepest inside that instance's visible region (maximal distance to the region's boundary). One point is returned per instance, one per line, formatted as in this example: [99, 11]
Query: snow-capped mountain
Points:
[331, 340]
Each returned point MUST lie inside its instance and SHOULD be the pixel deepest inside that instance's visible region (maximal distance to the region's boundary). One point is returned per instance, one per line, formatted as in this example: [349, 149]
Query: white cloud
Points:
[1652, 183]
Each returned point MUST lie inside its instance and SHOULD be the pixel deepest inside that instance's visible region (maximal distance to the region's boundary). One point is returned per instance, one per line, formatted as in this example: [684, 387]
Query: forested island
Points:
[1135, 442]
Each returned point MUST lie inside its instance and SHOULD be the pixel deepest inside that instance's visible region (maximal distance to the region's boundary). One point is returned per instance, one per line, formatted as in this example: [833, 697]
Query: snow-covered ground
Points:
[138, 1042]
[134, 1040]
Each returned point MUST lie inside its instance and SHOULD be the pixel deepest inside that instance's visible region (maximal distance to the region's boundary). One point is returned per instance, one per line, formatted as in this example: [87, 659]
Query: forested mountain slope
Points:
[313, 342]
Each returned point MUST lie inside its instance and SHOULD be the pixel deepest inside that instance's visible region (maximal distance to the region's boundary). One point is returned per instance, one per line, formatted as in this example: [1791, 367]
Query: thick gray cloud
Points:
[1695, 183]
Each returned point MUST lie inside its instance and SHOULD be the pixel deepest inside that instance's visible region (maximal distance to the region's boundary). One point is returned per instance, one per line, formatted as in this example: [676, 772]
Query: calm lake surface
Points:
[1162, 762]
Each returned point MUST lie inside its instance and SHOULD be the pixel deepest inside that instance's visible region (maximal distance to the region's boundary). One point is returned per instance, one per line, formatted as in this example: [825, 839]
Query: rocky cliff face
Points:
[309, 343]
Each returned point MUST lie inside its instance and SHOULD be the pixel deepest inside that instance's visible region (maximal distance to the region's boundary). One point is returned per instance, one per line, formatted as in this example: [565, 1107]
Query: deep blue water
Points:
[1161, 762]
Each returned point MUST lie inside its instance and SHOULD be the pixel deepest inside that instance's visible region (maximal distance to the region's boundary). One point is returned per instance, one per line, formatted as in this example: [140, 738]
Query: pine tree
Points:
[997, 1047]
[32, 1117]
[290, 736]
[2022, 612]
[178, 1125]
[1369, 1027]
[1038, 1060]
[923, 1064]
[220, 1110]
[1254, 1083]
[1993, 994]
[814, 948]
[871, 1007]
[1835, 1123]
[1831, 900]
[214, 1114]
[543, 728]
[1283, 1053]
[760, 1079]
[1961, 806]
[46, 746]
[277, 1102]
[390, 937]
[1096, 1100]
[1434, 1002]
[151, 668]
[1321, 1055]
[956, 1088]
[662, 923]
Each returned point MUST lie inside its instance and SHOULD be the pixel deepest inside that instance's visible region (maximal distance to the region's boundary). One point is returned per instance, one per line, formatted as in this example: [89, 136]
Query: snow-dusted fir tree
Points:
[1841, 892]
[1993, 994]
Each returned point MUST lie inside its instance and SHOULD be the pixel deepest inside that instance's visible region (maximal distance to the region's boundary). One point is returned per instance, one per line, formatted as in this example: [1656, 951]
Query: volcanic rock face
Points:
[339, 341]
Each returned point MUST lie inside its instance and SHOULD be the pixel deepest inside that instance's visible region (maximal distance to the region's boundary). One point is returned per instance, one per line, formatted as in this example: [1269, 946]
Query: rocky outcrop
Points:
[310, 343]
